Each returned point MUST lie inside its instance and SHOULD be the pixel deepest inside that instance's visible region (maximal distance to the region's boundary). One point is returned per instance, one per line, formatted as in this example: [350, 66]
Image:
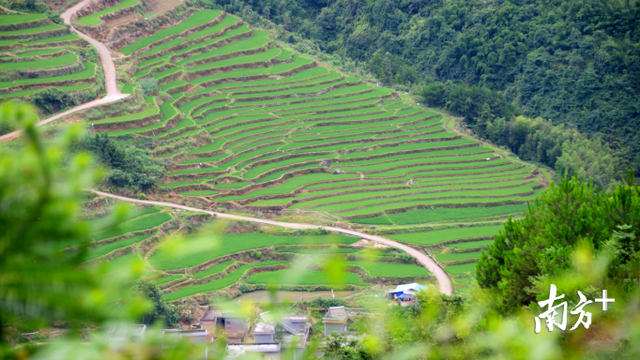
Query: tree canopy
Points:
[540, 245]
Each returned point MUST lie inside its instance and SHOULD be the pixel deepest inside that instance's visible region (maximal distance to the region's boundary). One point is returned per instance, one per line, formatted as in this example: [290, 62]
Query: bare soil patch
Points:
[165, 5]
[57, 5]
[123, 20]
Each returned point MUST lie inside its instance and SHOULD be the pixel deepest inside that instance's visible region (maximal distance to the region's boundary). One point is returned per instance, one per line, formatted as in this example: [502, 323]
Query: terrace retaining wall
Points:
[25, 25]
[185, 33]
[38, 36]
[188, 43]
[122, 36]
[101, 31]
[17, 59]
[453, 206]
[171, 77]
[226, 56]
[78, 42]
[259, 77]
[126, 125]
[288, 88]
[195, 176]
[390, 197]
[160, 69]
[215, 45]
[43, 73]
[182, 131]
[44, 85]
[252, 86]
[526, 193]
[170, 124]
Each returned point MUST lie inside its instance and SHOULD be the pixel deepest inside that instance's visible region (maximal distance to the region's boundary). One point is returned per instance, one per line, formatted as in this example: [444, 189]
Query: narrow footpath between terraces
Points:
[444, 282]
[113, 94]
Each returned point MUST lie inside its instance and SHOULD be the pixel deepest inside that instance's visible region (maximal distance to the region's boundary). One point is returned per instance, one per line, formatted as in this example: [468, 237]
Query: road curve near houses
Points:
[113, 94]
[444, 282]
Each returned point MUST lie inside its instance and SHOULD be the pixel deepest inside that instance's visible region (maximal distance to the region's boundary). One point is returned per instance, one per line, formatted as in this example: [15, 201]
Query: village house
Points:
[198, 337]
[272, 335]
[338, 318]
[234, 326]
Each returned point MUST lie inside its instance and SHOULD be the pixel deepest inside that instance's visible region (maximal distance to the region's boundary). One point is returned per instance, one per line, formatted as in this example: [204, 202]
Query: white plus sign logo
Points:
[604, 300]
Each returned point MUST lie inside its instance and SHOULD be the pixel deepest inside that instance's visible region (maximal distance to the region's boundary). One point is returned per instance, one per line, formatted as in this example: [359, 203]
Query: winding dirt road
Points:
[113, 94]
[444, 282]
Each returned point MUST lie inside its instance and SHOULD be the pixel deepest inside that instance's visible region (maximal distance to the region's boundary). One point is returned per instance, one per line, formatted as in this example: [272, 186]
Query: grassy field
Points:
[437, 236]
[137, 224]
[93, 19]
[217, 284]
[195, 250]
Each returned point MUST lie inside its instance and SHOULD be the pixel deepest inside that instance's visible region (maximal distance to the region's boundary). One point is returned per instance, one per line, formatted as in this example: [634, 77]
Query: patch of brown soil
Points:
[164, 6]
[57, 5]
[123, 20]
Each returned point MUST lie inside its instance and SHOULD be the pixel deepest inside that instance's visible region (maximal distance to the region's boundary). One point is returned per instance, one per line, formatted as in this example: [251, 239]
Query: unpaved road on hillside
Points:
[444, 282]
[113, 94]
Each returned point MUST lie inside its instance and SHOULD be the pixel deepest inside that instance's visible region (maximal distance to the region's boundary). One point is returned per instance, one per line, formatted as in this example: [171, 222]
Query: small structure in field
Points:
[337, 318]
[235, 326]
[405, 292]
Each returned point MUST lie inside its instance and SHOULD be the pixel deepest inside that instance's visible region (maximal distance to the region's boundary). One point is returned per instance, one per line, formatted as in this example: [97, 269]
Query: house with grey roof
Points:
[234, 326]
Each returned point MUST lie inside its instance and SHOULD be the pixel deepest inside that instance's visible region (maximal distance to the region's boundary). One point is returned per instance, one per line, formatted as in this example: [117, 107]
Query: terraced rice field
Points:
[304, 277]
[94, 19]
[39, 54]
[137, 224]
[219, 284]
[244, 122]
[203, 248]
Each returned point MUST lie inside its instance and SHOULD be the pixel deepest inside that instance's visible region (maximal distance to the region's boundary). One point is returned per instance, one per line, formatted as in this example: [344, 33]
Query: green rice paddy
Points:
[219, 284]
[116, 245]
[386, 269]
[19, 19]
[304, 277]
[198, 18]
[438, 236]
[94, 19]
[202, 248]
[138, 224]
[62, 60]
[213, 270]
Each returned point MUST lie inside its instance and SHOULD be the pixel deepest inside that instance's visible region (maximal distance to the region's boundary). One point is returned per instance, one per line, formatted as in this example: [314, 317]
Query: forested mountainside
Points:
[572, 62]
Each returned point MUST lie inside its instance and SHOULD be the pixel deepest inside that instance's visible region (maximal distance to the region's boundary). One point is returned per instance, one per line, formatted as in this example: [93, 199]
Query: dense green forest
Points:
[571, 62]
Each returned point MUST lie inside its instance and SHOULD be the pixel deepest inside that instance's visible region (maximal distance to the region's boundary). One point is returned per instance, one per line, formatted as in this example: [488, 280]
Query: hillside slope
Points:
[572, 62]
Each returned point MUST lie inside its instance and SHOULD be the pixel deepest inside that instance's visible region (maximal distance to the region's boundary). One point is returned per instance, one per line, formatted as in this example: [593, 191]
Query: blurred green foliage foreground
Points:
[575, 237]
